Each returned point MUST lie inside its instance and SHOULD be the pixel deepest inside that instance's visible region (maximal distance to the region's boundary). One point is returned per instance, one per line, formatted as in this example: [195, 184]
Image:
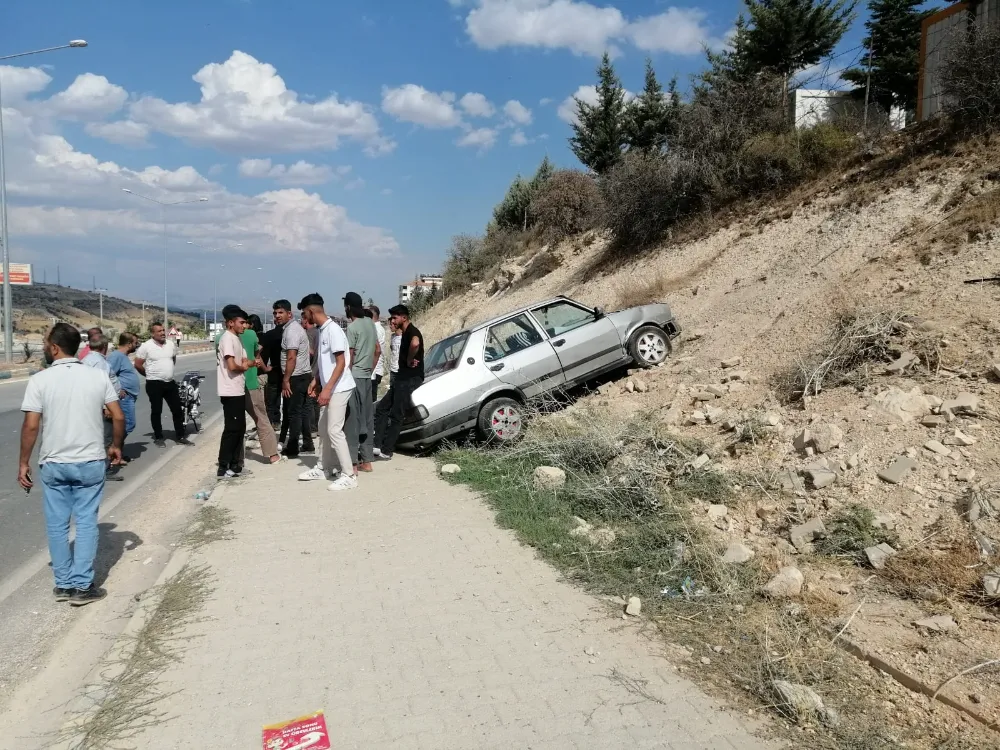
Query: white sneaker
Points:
[377, 451]
[312, 474]
[343, 482]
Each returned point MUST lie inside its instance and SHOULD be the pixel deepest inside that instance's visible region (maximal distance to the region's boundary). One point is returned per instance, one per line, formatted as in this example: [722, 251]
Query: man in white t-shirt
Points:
[379, 372]
[334, 387]
[231, 385]
[67, 400]
[155, 360]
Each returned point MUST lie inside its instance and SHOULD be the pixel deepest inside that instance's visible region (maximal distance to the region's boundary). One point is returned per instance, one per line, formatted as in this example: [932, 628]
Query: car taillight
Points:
[415, 414]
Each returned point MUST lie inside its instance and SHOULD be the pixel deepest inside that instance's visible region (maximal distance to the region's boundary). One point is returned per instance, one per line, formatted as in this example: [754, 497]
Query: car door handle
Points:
[560, 342]
[497, 368]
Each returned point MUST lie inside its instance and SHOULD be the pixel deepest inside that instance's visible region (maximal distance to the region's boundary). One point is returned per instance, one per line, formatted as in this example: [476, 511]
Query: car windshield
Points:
[444, 355]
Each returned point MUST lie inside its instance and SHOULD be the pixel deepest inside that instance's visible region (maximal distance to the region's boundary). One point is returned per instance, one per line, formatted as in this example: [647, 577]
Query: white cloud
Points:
[481, 138]
[246, 105]
[299, 173]
[517, 112]
[477, 105]
[121, 132]
[19, 83]
[518, 138]
[567, 110]
[57, 192]
[578, 26]
[544, 102]
[413, 103]
[679, 31]
[584, 28]
[89, 97]
[356, 184]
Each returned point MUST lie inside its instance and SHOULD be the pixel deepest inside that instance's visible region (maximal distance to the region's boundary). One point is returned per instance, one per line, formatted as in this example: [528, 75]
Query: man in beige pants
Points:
[333, 386]
[255, 404]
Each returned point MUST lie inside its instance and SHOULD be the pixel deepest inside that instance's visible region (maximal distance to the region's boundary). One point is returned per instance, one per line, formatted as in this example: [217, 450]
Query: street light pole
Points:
[8, 306]
[101, 292]
[163, 221]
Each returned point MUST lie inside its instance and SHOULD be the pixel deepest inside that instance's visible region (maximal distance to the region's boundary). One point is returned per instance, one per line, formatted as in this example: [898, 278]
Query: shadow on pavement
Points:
[111, 547]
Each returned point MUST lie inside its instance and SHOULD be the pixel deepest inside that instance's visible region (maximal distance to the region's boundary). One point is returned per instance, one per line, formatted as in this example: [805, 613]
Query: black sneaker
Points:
[83, 597]
[113, 476]
[184, 441]
[62, 595]
[159, 442]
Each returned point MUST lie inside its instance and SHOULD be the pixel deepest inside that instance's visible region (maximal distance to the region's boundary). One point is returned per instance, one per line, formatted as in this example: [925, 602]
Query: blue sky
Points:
[340, 144]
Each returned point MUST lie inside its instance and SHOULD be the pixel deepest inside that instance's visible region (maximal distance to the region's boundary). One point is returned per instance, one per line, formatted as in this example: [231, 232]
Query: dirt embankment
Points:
[916, 444]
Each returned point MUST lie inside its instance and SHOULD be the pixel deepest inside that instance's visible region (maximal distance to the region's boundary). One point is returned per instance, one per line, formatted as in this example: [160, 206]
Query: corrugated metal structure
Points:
[936, 33]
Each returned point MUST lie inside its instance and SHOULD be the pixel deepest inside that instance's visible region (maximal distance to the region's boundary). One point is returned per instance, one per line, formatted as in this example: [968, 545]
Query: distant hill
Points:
[35, 307]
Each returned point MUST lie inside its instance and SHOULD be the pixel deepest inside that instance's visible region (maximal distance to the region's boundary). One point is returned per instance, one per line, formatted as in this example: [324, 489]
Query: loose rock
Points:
[787, 582]
[634, 607]
[451, 469]
[731, 362]
[938, 623]
[896, 472]
[826, 437]
[807, 532]
[959, 438]
[717, 390]
[697, 417]
[963, 403]
[901, 406]
[549, 478]
[820, 478]
[701, 462]
[991, 583]
[935, 447]
[906, 360]
[641, 386]
[704, 396]
[737, 553]
[717, 512]
[803, 703]
[714, 414]
[933, 420]
[878, 555]
[965, 475]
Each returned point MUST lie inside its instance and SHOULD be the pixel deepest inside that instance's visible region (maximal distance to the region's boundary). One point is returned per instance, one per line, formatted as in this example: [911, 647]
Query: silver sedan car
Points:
[482, 378]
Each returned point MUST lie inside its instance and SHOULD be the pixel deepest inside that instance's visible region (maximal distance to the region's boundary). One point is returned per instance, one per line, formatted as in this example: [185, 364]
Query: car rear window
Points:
[445, 354]
[560, 317]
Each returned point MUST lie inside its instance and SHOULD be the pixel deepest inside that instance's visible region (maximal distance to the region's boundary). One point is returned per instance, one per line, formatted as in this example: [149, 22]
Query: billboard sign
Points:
[20, 274]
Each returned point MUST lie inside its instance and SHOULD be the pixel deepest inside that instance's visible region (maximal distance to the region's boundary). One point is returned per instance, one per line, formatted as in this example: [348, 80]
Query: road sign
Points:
[20, 274]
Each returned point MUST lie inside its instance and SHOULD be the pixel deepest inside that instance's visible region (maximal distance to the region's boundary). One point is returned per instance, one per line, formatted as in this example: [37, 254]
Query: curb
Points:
[112, 663]
[19, 373]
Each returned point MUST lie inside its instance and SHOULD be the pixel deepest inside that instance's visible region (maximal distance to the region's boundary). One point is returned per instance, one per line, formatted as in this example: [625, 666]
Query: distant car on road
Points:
[481, 378]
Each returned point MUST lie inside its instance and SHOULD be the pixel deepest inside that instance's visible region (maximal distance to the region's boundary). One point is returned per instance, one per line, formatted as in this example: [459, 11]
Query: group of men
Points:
[313, 364]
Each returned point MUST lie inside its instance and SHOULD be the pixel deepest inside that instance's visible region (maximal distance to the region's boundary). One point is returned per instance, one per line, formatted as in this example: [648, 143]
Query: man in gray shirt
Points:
[296, 376]
[365, 350]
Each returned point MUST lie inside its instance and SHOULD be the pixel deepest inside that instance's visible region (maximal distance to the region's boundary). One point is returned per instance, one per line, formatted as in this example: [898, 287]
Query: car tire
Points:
[501, 421]
[649, 346]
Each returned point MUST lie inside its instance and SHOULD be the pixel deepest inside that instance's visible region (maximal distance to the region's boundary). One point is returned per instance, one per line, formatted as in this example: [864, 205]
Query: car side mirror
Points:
[599, 312]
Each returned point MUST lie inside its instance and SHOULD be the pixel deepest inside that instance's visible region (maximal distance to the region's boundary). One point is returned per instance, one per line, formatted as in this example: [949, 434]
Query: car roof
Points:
[516, 311]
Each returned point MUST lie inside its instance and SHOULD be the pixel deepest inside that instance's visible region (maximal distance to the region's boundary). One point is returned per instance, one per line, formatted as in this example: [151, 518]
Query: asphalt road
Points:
[22, 527]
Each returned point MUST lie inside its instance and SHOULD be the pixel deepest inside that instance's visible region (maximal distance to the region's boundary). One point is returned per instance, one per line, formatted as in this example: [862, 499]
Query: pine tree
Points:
[599, 132]
[732, 63]
[510, 212]
[787, 35]
[651, 115]
[894, 38]
[543, 173]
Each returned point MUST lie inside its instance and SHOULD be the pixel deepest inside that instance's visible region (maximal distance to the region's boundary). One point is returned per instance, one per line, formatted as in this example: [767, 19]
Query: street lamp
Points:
[102, 292]
[8, 306]
[215, 280]
[163, 220]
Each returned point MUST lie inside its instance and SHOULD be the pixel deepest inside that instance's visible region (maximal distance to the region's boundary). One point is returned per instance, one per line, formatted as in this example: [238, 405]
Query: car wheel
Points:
[649, 346]
[501, 421]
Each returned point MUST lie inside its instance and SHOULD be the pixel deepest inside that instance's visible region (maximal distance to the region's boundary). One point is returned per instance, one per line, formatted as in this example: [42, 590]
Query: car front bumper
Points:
[427, 432]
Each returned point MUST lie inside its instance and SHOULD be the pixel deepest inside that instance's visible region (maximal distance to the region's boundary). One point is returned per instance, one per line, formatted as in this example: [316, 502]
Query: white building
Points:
[811, 107]
[427, 282]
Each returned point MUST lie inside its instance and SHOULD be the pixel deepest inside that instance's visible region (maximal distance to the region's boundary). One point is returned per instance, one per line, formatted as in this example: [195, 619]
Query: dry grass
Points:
[645, 289]
[951, 569]
[127, 704]
[859, 342]
[211, 524]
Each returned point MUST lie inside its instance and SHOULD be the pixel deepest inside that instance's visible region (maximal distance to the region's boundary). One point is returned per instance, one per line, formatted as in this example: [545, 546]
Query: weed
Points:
[951, 570]
[210, 524]
[851, 531]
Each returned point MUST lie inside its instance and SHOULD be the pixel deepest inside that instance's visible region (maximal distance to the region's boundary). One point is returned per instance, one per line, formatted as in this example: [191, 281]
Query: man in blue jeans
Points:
[128, 379]
[70, 397]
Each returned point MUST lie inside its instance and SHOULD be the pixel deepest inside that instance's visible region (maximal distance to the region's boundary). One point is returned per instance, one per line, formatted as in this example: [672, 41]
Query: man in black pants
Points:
[271, 356]
[155, 360]
[231, 382]
[297, 374]
[392, 408]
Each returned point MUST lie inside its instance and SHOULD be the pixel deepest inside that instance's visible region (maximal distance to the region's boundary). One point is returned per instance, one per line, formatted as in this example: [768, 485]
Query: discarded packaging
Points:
[298, 734]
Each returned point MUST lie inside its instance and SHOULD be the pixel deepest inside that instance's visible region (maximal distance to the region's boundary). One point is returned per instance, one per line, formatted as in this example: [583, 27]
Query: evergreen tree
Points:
[732, 64]
[787, 35]
[651, 116]
[510, 212]
[894, 39]
[599, 132]
[543, 173]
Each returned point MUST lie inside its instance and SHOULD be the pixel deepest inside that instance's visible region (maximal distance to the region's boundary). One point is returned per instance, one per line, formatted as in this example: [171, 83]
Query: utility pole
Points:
[101, 293]
[868, 82]
[144, 315]
[58, 277]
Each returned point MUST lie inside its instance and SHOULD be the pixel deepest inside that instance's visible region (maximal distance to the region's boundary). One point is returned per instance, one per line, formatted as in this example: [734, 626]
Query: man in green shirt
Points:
[365, 350]
[255, 404]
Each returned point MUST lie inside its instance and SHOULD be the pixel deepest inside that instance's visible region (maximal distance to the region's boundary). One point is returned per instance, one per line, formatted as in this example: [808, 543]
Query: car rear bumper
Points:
[426, 433]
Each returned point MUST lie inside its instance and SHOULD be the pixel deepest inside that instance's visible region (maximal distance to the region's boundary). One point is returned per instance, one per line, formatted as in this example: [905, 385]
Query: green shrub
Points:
[852, 530]
[568, 203]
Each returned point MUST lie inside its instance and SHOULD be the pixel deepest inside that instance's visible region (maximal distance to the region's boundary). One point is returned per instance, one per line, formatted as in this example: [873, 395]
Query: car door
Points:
[518, 354]
[586, 343]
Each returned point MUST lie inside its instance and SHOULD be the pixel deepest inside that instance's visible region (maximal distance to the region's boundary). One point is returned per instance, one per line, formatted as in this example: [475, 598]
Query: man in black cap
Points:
[392, 408]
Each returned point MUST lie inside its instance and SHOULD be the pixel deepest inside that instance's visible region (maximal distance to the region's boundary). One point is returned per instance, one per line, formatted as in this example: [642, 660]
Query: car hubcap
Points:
[506, 422]
[652, 348]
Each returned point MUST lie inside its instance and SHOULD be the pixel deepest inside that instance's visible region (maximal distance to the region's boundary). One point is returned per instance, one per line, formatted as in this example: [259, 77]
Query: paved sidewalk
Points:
[403, 611]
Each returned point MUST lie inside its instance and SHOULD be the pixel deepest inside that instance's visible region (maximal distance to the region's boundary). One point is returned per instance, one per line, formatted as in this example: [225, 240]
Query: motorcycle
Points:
[190, 390]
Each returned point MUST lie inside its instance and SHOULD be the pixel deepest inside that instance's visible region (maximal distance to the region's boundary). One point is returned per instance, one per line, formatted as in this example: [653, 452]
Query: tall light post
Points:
[8, 306]
[163, 220]
[102, 292]
[215, 280]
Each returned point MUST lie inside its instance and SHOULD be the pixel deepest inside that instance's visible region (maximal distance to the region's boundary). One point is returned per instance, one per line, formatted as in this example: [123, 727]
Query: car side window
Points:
[510, 336]
[562, 317]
